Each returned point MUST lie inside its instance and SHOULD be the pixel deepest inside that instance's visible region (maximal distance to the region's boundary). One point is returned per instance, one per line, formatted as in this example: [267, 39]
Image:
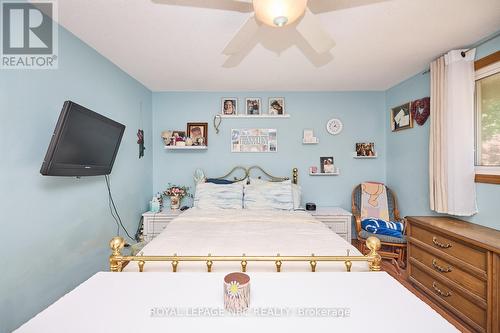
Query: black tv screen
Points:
[84, 143]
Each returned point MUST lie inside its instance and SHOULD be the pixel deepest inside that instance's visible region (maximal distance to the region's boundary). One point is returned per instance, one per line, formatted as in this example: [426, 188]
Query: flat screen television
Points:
[84, 143]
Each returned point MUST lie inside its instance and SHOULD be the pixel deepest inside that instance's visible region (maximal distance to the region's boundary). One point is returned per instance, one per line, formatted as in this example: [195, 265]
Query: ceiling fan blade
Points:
[322, 6]
[244, 36]
[231, 5]
[310, 28]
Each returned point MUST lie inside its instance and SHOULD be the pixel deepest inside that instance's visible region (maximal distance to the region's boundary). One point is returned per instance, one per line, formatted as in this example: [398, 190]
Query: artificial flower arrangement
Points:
[176, 194]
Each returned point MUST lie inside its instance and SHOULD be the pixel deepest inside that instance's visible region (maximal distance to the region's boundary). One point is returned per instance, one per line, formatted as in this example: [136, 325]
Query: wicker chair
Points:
[393, 248]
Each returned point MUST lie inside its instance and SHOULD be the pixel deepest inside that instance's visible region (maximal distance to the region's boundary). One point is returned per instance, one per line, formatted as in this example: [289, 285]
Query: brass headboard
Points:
[235, 170]
[247, 172]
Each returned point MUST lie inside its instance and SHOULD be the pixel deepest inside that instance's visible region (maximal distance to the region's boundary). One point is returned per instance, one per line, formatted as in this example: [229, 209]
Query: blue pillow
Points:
[381, 227]
[219, 181]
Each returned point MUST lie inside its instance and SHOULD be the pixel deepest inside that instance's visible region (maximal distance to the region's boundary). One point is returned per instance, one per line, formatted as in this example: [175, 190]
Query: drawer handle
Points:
[442, 245]
[440, 268]
[439, 291]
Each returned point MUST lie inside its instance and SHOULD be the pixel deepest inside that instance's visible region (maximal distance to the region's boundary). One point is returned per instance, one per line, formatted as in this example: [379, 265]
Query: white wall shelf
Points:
[269, 116]
[355, 155]
[186, 147]
[336, 173]
[310, 143]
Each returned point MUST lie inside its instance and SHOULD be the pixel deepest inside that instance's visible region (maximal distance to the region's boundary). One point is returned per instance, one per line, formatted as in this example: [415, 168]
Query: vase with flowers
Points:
[176, 194]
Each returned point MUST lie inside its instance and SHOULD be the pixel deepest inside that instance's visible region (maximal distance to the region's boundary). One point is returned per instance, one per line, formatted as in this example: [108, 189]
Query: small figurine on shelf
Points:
[176, 194]
[167, 137]
[199, 141]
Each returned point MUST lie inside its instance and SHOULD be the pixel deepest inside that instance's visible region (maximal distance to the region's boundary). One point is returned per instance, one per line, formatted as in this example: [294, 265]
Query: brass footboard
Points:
[117, 261]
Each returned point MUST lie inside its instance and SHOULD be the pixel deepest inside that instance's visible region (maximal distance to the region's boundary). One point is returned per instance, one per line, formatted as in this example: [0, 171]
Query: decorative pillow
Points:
[219, 181]
[381, 227]
[225, 196]
[268, 195]
[296, 190]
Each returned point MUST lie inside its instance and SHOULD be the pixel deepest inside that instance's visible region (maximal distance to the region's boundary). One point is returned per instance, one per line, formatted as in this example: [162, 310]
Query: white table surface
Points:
[124, 302]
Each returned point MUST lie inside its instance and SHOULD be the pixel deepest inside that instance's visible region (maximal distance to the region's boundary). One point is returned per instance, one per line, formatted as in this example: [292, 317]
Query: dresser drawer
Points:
[450, 298]
[450, 246]
[153, 229]
[339, 228]
[448, 270]
[333, 218]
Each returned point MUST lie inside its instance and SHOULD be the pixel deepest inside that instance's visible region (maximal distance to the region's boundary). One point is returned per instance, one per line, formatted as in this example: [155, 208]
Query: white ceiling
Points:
[175, 48]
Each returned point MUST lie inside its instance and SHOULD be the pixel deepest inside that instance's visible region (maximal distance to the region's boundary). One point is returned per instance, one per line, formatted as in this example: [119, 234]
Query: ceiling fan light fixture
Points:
[279, 13]
[280, 21]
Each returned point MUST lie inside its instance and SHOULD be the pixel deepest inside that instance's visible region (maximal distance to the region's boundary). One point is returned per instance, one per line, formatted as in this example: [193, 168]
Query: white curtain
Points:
[451, 144]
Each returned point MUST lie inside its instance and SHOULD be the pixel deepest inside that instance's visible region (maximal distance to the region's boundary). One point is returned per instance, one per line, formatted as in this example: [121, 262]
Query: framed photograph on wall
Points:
[198, 133]
[365, 149]
[401, 117]
[254, 140]
[276, 106]
[252, 105]
[229, 106]
[326, 164]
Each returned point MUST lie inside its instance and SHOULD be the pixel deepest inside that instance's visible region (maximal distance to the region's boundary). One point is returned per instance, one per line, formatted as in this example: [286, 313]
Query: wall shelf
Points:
[336, 173]
[186, 147]
[310, 143]
[354, 155]
[268, 116]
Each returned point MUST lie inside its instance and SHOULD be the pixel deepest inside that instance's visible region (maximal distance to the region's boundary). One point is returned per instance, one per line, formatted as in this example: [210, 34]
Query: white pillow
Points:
[225, 196]
[296, 190]
[268, 195]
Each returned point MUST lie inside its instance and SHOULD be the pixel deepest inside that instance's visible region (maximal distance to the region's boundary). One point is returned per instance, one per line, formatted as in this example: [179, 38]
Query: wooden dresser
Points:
[457, 264]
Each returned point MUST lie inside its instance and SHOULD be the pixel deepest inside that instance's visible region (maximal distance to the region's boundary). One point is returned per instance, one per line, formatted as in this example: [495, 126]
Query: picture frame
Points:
[253, 106]
[276, 106]
[198, 133]
[254, 140]
[401, 117]
[365, 149]
[229, 106]
[326, 164]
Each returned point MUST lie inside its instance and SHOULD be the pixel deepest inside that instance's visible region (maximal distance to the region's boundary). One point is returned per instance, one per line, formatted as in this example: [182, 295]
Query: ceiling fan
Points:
[279, 14]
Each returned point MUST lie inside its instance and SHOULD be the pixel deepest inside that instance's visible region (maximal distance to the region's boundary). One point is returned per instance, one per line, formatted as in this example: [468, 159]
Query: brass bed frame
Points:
[248, 171]
[117, 261]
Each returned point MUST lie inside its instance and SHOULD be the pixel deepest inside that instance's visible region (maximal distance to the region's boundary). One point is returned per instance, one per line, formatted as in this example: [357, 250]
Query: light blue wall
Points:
[55, 230]
[362, 113]
[407, 157]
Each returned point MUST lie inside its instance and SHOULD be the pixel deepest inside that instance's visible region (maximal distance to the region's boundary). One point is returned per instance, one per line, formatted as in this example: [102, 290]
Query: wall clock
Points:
[334, 126]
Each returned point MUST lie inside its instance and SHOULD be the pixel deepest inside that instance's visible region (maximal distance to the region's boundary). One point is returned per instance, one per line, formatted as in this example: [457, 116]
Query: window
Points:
[488, 119]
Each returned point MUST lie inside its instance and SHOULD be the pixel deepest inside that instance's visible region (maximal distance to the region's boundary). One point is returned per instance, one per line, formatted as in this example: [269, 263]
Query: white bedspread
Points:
[118, 302]
[253, 232]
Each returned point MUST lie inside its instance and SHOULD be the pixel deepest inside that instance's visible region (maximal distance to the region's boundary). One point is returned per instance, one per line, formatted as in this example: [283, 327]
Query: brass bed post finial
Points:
[373, 243]
[209, 264]
[313, 264]
[278, 264]
[175, 262]
[348, 263]
[243, 264]
[141, 263]
[295, 175]
[115, 262]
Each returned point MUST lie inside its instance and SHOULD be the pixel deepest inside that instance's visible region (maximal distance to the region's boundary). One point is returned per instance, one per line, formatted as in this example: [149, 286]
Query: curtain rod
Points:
[464, 53]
